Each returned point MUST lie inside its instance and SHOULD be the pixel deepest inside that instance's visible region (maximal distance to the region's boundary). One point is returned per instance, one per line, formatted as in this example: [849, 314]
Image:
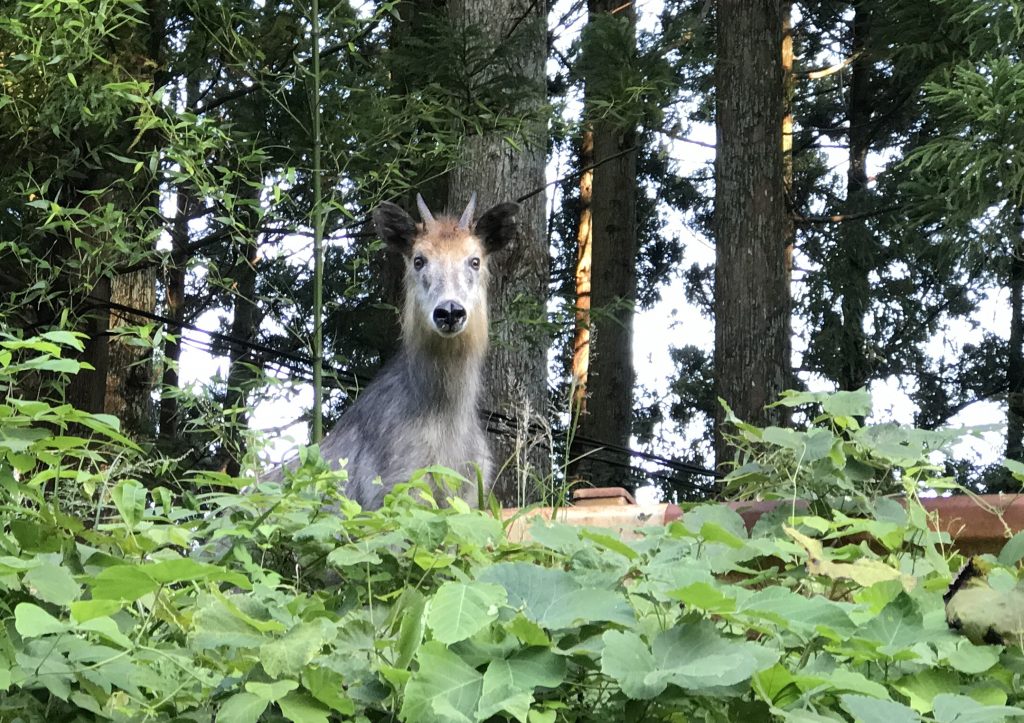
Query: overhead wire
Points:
[296, 365]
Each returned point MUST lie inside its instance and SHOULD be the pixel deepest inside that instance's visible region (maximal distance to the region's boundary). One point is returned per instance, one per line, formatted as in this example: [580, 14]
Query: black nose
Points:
[449, 316]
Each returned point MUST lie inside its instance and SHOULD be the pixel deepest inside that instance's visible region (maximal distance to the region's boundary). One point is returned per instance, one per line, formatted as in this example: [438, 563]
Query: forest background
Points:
[171, 164]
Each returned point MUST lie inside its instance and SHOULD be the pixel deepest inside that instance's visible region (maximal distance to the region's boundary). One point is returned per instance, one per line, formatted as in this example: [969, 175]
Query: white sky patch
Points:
[671, 322]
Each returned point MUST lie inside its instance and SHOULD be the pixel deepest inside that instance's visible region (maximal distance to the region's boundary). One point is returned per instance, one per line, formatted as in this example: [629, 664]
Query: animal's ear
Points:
[497, 227]
[395, 227]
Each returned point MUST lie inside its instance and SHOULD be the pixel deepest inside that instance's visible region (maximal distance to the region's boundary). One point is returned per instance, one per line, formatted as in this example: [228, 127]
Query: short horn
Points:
[425, 214]
[467, 215]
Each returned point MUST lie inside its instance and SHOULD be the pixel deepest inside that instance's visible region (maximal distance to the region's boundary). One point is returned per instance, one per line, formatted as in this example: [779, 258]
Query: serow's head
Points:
[446, 263]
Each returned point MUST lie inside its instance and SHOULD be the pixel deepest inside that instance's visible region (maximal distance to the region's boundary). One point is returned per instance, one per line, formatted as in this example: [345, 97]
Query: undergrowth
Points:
[284, 601]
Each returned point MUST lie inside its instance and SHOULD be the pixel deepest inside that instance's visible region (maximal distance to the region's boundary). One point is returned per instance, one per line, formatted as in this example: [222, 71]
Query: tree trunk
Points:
[174, 283]
[788, 91]
[244, 325]
[752, 301]
[131, 375]
[123, 376]
[516, 373]
[88, 390]
[856, 255]
[1015, 365]
[581, 334]
[613, 248]
[410, 28]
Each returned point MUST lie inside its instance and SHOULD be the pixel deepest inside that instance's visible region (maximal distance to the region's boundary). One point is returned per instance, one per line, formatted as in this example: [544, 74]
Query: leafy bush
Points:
[288, 602]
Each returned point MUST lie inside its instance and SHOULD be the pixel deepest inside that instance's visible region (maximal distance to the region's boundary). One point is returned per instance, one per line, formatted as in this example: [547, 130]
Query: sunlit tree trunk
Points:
[581, 334]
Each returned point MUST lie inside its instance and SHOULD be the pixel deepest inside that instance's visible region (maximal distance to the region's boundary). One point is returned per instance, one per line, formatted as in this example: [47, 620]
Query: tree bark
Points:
[88, 390]
[245, 324]
[613, 248]
[856, 255]
[1015, 364]
[131, 375]
[516, 372]
[174, 285]
[752, 300]
[123, 376]
[788, 91]
[581, 334]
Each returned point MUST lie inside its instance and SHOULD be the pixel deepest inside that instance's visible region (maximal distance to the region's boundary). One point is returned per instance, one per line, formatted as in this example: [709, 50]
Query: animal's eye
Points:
[419, 262]
[474, 262]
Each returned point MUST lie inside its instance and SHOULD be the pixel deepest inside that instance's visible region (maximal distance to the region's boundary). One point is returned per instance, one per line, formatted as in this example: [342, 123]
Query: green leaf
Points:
[714, 532]
[183, 569]
[848, 404]
[628, 661]
[897, 629]
[872, 710]
[106, 628]
[410, 607]
[706, 597]
[459, 610]
[720, 515]
[271, 691]
[443, 690]
[297, 647]
[242, 708]
[799, 612]
[1013, 550]
[973, 659]
[122, 582]
[302, 708]
[950, 708]
[52, 583]
[72, 339]
[554, 599]
[509, 683]
[481, 530]
[922, 686]
[840, 679]
[695, 656]
[83, 610]
[328, 687]
[61, 366]
[527, 631]
[610, 542]
[31, 621]
[129, 497]
[215, 625]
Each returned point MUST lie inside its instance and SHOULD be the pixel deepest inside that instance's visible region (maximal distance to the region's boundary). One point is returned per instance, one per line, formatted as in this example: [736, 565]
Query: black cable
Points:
[339, 379]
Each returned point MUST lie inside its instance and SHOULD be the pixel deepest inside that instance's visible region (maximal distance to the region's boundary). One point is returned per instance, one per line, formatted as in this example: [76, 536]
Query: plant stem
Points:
[316, 432]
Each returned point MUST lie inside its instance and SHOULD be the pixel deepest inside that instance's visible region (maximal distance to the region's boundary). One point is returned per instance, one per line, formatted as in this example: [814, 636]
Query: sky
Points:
[672, 319]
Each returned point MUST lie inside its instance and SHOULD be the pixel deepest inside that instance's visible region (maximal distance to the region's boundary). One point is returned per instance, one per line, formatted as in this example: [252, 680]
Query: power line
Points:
[511, 424]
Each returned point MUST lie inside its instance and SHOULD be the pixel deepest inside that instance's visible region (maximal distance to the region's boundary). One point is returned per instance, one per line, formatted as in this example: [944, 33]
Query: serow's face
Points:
[446, 262]
[447, 276]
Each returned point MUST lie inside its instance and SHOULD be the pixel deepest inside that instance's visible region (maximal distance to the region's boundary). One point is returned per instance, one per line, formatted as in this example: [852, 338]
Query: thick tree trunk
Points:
[123, 376]
[613, 247]
[516, 373]
[131, 375]
[88, 390]
[752, 301]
